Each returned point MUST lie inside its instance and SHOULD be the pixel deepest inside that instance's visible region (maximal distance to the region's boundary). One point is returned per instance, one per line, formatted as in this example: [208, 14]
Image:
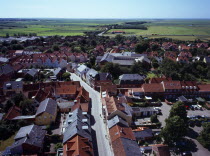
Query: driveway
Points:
[165, 108]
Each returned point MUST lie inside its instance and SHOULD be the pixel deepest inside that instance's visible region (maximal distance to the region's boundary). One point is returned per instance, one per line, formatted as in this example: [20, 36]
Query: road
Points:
[104, 148]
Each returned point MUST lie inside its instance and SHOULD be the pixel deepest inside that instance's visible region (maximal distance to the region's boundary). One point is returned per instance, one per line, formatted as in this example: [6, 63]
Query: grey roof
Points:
[82, 67]
[182, 98]
[6, 69]
[92, 73]
[124, 62]
[77, 114]
[143, 134]
[131, 147]
[207, 59]
[65, 104]
[144, 109]
[13, 85]
[32, 135]
[57, 71]
[128, 109]
[117, 120]
[32, 72]
[48, 105]
[1, 116]
[23, 132]
[131, 77]
[143, 59]
[105, 76]
[3, 59]
[24, 117]
[107, 57]
[77, 125]
[138, 55]
[98, 59]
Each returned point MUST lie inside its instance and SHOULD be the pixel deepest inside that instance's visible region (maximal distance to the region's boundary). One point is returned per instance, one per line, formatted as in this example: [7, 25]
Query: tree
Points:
[66, 75]
[204, 137]
[113, 69]
[55, 48]
[137, 68]
[154, 118]
[8, 105]
[26, 106]
[174, 130]
[179, 109]
[142, 47]
[7, 35]
[17, 98]
[168, 67]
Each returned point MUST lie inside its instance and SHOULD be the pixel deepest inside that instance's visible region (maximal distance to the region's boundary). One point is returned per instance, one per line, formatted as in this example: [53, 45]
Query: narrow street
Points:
[104, 148]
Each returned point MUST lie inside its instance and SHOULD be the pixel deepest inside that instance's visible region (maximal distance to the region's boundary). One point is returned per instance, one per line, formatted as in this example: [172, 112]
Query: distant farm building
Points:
[118, 32]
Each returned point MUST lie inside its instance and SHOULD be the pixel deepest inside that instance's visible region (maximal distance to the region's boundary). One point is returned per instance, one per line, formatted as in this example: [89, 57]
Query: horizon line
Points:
[92, 18]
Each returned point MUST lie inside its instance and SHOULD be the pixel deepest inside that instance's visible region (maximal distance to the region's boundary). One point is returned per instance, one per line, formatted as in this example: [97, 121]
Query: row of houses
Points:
[124, 139]
[169, 89]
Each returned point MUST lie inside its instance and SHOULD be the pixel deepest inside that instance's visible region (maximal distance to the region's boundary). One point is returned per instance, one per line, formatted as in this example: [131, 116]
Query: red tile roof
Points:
[78, 146]
[159, 80]
[172, 85]
[13, 112]
[153, 88]
[117, 132]
[204, 88]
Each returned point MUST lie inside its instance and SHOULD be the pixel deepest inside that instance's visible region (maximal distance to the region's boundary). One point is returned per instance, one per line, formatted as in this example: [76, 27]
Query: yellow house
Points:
[47, 112]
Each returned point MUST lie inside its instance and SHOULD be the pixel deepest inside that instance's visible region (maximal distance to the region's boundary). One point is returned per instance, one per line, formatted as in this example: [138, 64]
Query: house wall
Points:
[45, 118]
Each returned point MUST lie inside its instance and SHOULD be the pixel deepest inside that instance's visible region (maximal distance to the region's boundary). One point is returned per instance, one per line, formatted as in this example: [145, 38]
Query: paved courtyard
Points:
[201, 151]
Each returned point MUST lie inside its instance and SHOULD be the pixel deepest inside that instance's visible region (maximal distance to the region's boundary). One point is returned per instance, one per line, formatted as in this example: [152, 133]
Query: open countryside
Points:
[188, 29]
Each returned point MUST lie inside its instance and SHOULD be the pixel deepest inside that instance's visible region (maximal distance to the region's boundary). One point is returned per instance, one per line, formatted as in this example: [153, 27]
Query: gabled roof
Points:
[172, 85]
[204, 88]
[104, 76]
[161, 150]
[6, 69]
[117, 121]
[77, 127]
[13, 85]
[92, 73]
[13, 112]
[131, 77]
[123, 141]
[146, 133]
[66, 90]
[159, 80]
[57, 71]
[32, 72]
[153, 88]
[82, 68]
[32, 135]
[48, 105]
[118, 131]
[78, 145]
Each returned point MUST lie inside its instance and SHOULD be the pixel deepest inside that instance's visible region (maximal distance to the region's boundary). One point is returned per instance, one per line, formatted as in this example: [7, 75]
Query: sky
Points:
[104, 9]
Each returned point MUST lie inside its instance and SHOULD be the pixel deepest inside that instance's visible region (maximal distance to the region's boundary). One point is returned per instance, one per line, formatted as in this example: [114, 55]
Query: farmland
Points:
[178, 29]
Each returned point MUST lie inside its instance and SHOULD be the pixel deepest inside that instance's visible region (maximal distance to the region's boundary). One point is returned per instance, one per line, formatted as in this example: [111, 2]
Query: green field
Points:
[172, 28]
[49, 27]
[185, 29]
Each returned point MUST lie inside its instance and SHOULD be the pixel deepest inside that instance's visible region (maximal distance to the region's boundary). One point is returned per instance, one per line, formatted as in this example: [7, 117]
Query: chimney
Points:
[27, 136]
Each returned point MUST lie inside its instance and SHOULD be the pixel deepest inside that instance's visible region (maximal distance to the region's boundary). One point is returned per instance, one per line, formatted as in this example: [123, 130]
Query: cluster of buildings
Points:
[49, 99]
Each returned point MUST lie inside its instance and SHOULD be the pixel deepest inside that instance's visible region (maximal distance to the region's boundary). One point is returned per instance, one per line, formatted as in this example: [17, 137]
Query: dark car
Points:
[186, 153]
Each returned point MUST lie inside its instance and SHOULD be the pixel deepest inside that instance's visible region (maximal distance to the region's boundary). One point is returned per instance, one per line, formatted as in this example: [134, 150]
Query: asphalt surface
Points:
[100, 128]
[200, 150]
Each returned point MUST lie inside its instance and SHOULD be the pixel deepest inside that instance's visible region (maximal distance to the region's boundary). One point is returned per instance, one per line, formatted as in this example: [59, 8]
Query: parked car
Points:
[186, 153]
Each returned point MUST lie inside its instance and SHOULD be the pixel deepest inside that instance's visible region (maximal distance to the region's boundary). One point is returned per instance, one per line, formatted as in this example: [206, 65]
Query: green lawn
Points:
[6, 143]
